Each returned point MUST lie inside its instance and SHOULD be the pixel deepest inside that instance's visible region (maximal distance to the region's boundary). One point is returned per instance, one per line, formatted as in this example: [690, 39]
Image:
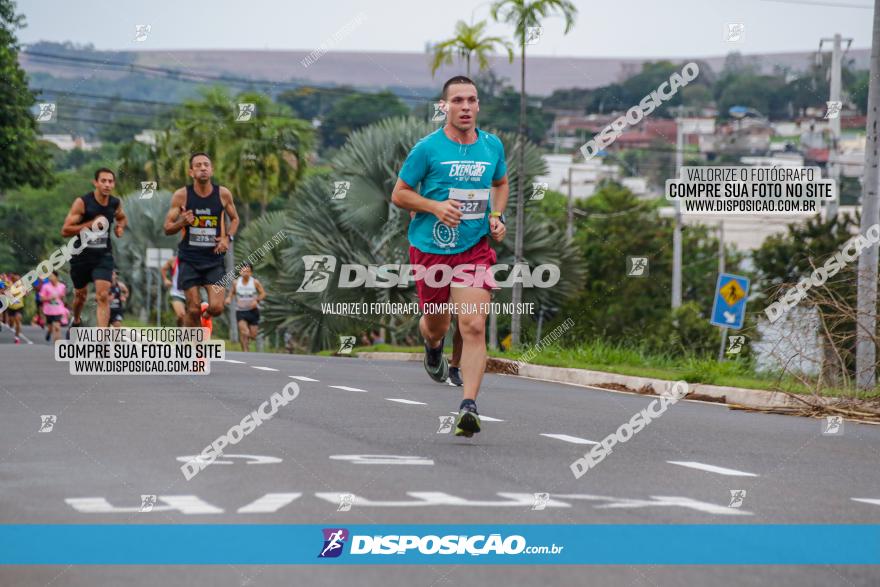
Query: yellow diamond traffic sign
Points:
[732, 292]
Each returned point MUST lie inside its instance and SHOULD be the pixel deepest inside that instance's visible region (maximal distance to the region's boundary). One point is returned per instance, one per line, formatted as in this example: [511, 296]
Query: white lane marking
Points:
[438, 498]
[482, 418]
[712, 468]
[870, 500]
[185, 504]
[263, 368]
[233, 361]
[269, 503]
[571, 439]
[657, 501]
[272, 502]
[301, 378]
[406, 401]
[383, 459]
[347, 388]
[224, 460]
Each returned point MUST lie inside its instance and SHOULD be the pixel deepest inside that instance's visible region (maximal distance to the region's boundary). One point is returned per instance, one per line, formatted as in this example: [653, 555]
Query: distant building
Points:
[70, 142]
[586, 176]
[147, 136]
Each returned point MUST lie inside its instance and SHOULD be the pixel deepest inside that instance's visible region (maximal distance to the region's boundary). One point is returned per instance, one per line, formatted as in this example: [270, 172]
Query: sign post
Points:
[154, 259]
[729, 308]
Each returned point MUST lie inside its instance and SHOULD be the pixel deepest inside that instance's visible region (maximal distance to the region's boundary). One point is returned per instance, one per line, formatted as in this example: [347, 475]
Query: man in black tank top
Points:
[95, 262]
[197, 213]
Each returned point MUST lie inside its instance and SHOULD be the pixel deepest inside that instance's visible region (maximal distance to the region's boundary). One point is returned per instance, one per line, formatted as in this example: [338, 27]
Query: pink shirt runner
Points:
[53, 298]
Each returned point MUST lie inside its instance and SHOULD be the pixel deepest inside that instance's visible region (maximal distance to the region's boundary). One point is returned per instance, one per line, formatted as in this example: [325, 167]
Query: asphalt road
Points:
[116, 438]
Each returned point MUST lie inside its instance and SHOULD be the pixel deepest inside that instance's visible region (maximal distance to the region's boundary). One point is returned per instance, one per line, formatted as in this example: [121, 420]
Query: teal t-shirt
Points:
[446, 169]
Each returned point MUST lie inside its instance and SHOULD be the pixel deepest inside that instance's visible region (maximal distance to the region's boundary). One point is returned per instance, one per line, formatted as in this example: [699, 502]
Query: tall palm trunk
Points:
[516, 295]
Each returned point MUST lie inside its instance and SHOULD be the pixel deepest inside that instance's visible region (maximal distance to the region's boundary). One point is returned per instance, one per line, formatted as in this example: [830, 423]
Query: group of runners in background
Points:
[196, 213]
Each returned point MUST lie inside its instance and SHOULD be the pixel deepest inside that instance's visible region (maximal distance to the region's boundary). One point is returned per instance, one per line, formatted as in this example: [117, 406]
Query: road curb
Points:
[750, 398]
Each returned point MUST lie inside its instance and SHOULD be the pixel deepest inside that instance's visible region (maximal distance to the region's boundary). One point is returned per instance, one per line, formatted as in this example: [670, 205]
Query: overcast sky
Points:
[609, 28]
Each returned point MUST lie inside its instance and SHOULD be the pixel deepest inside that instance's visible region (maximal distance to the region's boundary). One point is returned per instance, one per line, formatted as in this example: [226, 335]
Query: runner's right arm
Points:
[178, 216]
[228, 299]
[73, 222]
[404, 196]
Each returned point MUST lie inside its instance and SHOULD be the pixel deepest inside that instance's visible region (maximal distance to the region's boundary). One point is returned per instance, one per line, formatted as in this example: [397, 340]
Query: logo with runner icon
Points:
[319, 268]
[334, 540]
[148, 188]
[346, 345]
[47, 422]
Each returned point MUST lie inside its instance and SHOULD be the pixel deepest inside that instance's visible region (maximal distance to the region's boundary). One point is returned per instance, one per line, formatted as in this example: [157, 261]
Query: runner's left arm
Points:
[261, 293]
[229, 208]
[121, 220]
[124, 291]
[500, 195]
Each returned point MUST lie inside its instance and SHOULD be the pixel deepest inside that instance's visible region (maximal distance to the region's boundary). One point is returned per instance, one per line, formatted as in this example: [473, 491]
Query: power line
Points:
[67, 119]
[819, 3]
[170, 105]
[192, 77]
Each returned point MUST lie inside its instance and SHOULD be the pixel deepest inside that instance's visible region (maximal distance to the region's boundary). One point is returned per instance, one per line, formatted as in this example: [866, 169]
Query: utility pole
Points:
[720, 271]
[516, 294]
[676, 234]
[569, 227]
[834, 123]
[229, 261]
[866, 305]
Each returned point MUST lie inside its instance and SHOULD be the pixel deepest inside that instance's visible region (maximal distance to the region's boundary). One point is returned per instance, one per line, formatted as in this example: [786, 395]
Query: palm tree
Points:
[523, 15]
[267, 155]
[468, 41]
[258, 159]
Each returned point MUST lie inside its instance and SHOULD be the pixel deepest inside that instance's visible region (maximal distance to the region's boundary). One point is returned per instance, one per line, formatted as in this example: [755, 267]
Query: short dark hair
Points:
[104, 170]
[247, 264]
[194, 155]
[458, 79]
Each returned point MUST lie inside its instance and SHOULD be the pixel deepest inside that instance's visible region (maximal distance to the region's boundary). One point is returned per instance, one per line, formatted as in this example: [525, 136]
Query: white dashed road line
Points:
[302, 378]
[712, 468]
[343, 387]
[482, 417]
[263, 368]
[233, 361]
[571, 439]
[869, 500]
[406, 401]
[269, 503]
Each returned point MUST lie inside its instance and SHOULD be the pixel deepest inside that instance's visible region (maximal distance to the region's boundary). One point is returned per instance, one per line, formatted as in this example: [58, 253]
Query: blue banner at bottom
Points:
[484, 544]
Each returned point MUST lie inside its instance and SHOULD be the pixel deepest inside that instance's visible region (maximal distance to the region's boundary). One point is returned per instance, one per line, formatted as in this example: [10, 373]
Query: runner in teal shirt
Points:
[451, 181]
[447, 169]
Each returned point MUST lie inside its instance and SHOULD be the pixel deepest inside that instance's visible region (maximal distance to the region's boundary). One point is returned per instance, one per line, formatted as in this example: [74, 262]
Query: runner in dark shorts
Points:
[95, 263]
[197, 213]
[14, 311]
[460, 173]
[248, 293]
[118, 297]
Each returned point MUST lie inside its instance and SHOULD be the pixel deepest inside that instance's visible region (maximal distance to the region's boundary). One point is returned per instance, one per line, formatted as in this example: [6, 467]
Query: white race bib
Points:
[474, 203]
[99, 241]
